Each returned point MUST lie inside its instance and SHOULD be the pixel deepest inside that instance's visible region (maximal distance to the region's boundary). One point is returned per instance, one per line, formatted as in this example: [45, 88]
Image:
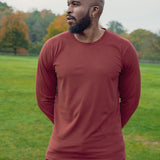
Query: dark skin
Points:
[78, 9]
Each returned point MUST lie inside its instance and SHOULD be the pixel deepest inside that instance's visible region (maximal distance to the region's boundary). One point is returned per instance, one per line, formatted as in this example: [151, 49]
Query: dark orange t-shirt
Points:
[78, 86]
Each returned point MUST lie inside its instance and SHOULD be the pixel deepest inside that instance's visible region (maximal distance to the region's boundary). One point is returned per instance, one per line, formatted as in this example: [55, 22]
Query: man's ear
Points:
[95, 11]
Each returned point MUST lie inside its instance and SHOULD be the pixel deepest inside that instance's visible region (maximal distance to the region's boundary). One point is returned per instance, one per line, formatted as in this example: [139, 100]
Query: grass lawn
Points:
[25, 131]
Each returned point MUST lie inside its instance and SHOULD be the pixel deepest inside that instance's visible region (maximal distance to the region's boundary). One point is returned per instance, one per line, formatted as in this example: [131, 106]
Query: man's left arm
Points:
[129, 84]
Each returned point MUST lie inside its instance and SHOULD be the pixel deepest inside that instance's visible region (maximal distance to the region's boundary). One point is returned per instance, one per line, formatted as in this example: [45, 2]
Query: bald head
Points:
[99, 3]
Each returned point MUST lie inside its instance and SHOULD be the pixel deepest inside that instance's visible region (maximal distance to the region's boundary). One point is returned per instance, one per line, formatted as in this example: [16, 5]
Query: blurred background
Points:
[26, 24]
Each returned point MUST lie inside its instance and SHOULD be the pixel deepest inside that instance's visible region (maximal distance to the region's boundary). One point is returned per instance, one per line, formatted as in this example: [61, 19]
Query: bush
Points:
[35, 48]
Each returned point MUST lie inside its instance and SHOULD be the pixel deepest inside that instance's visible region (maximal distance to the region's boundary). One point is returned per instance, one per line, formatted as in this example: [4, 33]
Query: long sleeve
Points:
[46, 82]
[129, 84]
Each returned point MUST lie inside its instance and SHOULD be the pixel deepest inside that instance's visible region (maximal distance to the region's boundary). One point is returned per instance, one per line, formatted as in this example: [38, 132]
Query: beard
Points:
[83, 24]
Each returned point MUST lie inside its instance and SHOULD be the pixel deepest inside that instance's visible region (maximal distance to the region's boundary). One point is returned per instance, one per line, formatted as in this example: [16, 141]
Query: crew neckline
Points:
[90, 43]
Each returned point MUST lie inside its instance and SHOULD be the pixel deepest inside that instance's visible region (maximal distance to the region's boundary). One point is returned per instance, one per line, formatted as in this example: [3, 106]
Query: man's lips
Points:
[70, 18]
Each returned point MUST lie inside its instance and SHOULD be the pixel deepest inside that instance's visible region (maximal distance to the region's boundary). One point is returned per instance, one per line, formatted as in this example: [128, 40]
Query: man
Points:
[81, 75]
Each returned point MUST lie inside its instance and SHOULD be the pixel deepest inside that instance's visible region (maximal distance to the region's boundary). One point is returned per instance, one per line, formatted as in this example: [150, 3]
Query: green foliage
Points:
[35, 28]
[35, 48]
[4, 6]
[38, 23]
[146, 43]
[116, 27]
[47, 16]
[25, 131]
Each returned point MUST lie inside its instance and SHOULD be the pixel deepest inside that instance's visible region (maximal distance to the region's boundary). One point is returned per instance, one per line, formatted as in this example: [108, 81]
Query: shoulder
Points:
[57, 42]
[118, 42]
[55, 45]
[126, 49]
[58, 38]
[117, 39]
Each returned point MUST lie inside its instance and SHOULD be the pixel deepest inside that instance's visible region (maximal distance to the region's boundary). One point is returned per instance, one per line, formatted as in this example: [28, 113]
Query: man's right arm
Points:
[46, 82]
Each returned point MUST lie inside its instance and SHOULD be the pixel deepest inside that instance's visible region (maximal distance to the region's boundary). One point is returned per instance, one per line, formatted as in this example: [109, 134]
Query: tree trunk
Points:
[15, 51]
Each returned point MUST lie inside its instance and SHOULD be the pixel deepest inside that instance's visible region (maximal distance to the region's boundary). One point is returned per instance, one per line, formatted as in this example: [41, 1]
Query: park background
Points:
[24, 130]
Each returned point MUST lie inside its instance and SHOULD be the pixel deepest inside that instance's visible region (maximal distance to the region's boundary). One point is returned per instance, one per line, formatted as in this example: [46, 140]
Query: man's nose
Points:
[69, 10]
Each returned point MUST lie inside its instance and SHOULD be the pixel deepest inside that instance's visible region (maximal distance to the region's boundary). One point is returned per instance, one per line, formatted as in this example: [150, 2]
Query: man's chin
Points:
[70, 24]
[75, 30]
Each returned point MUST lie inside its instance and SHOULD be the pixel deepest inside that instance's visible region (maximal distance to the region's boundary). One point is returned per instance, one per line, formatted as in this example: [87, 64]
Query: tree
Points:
[4, 6]
[146, 43]
[38, 23]
[34, 24]
[35, 48]
[57, 26]
[4, 11]
[14, 33]
[158, 33]
[116, 27]
[47, 18]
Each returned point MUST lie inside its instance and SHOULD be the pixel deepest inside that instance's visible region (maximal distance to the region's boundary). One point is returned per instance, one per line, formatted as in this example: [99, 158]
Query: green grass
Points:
[25, 131]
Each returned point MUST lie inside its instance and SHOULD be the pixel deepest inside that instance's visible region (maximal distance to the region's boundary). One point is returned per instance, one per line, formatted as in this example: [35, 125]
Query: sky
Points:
[132, 14]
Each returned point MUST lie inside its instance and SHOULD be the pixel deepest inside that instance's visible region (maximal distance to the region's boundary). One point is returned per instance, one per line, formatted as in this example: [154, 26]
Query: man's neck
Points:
[90, 35]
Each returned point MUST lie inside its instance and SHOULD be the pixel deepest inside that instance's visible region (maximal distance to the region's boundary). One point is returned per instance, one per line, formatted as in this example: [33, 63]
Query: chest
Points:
[88, 62]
